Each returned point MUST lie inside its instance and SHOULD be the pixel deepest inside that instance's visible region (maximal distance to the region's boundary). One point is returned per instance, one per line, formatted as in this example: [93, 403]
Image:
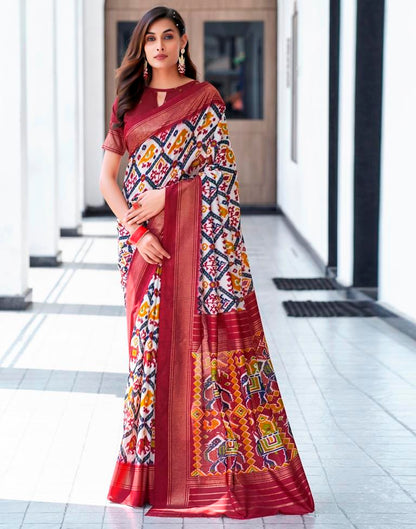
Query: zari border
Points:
[173, 112]
[177, 307]
[131, 484]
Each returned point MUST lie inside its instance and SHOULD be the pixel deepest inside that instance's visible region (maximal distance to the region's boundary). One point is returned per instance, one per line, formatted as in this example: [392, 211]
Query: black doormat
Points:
[305, 283]
[308, 309]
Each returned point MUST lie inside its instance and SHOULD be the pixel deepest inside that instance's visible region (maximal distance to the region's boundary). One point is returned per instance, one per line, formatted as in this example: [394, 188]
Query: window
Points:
[233, 62]
[124, 32]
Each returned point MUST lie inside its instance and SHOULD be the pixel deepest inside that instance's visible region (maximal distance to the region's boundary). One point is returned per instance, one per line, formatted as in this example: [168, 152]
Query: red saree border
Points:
[177, 307]
[131, 484]
[246, 495]
[174, 111]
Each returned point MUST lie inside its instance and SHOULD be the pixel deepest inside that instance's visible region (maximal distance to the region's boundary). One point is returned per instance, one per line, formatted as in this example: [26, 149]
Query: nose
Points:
[160, 46]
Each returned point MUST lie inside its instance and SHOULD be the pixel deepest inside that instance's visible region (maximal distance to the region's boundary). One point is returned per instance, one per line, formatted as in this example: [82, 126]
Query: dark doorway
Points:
[367, 139]
[334, 29]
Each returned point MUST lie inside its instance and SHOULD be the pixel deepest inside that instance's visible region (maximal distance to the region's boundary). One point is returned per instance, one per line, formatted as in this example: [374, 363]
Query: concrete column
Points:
[94, 105]
[42, 133]
[348, 20]
[14, 255]
[69, 168]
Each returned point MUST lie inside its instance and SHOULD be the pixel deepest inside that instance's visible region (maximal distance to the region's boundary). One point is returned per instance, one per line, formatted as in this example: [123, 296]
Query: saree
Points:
[205, 431]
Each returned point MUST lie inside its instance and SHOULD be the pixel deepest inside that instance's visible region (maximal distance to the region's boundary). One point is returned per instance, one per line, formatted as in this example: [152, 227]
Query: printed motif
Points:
[235, 395]
[137, 445]
[198, 147]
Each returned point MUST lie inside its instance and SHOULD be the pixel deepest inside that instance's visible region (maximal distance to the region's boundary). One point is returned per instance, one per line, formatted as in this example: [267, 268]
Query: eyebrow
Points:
[152, 32]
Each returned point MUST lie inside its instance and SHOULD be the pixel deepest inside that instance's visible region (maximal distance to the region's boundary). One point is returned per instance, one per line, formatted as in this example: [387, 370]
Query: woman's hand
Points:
[150, 248]
[148, 205]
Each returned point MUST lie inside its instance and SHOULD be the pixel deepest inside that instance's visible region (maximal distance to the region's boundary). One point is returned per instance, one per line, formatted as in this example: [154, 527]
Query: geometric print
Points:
[225, 277]
[197, 147]
[239, 422]
[137, 444]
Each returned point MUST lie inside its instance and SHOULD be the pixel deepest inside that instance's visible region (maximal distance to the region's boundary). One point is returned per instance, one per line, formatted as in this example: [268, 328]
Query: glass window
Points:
[233, 62]
[124, 32]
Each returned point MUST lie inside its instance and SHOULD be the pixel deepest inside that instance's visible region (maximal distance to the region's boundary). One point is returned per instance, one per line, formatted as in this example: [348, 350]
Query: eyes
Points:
[150, 38]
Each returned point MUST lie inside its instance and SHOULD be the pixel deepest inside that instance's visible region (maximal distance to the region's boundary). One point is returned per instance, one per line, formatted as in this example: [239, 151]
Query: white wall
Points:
[346, 142]
[302, 187]
[93, 96]
[397, 252]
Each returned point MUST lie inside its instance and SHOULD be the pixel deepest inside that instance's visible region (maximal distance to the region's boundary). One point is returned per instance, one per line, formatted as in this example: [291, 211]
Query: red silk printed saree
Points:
[205, 432]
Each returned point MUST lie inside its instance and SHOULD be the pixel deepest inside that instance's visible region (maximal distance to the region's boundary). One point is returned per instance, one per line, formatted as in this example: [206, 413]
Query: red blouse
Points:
[116, 138]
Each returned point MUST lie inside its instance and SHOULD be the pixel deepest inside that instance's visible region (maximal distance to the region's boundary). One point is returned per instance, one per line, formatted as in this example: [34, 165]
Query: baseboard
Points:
[46, 261]
[72, 232]
[21, 302]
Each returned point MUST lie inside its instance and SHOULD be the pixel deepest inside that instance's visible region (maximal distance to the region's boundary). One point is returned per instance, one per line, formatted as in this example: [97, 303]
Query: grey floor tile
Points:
[383, 526]
[41, 526]
[253, 523]
[41, 507]
[391, 518]
[284, 525]
[379, 508]
[151, 521]
[202, 523]
[84, 517]
[116, 525]
[77, 525]
[162, 525]
[283, 518]
[11, 518]
[44, 517]
[12, 506]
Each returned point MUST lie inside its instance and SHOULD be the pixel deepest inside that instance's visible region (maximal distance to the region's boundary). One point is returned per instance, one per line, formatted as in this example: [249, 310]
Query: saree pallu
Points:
[205, 428]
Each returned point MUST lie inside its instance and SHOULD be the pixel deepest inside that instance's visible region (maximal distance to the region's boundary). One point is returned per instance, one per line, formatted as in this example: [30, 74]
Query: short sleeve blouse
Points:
[114, 140]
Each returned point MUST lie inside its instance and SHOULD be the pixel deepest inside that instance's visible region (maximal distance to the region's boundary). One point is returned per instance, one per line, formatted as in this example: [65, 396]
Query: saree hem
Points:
[131, 484]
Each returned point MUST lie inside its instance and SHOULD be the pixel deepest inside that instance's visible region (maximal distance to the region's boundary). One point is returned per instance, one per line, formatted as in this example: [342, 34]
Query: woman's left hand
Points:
[148, 205]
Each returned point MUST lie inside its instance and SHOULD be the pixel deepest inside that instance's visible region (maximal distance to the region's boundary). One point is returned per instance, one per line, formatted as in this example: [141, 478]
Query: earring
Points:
[181, 63]
[145, 71]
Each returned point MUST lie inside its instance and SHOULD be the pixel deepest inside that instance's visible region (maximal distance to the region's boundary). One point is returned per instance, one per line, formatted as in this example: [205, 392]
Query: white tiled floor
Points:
[348, 385]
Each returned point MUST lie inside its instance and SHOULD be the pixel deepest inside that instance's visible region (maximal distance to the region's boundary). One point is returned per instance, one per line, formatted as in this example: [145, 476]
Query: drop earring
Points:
[181, 63]
[145, 71]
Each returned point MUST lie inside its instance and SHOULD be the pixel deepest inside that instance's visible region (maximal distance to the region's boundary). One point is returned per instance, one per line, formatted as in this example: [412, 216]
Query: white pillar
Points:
[94, 105]
[345, 260]
[14, 255]
[42, 133]
[69, 157]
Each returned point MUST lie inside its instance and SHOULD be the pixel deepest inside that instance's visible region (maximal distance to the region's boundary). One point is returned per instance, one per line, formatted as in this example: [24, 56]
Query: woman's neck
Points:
[162, 78]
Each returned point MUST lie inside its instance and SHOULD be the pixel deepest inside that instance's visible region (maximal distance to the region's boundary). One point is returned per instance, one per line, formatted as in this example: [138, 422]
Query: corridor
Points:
[348, 385]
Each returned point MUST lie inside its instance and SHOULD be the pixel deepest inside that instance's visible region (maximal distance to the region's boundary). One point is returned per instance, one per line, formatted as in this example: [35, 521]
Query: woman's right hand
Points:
[150, 248]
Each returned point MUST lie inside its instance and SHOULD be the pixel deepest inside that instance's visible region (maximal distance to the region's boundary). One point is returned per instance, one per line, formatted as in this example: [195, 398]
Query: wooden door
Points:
[253, 140]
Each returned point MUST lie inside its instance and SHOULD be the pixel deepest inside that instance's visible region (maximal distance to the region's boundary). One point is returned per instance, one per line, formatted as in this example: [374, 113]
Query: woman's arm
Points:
[110, 190]
[149, 245]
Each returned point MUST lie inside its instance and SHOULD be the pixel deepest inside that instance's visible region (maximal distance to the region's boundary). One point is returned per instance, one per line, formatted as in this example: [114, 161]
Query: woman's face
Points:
[162, 44]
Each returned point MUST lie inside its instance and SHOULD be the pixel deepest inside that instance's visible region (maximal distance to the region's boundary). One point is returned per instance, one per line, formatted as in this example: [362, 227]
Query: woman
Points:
[205, 428]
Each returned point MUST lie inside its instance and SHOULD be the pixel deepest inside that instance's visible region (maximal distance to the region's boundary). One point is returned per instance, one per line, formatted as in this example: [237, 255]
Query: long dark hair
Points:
[129, 76]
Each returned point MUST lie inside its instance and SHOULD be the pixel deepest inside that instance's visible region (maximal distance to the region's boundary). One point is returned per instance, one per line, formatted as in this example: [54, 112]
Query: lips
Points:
[161, 56]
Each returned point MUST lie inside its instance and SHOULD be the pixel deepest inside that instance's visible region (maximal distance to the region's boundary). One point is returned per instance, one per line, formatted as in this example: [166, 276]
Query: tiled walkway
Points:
[348, 385]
